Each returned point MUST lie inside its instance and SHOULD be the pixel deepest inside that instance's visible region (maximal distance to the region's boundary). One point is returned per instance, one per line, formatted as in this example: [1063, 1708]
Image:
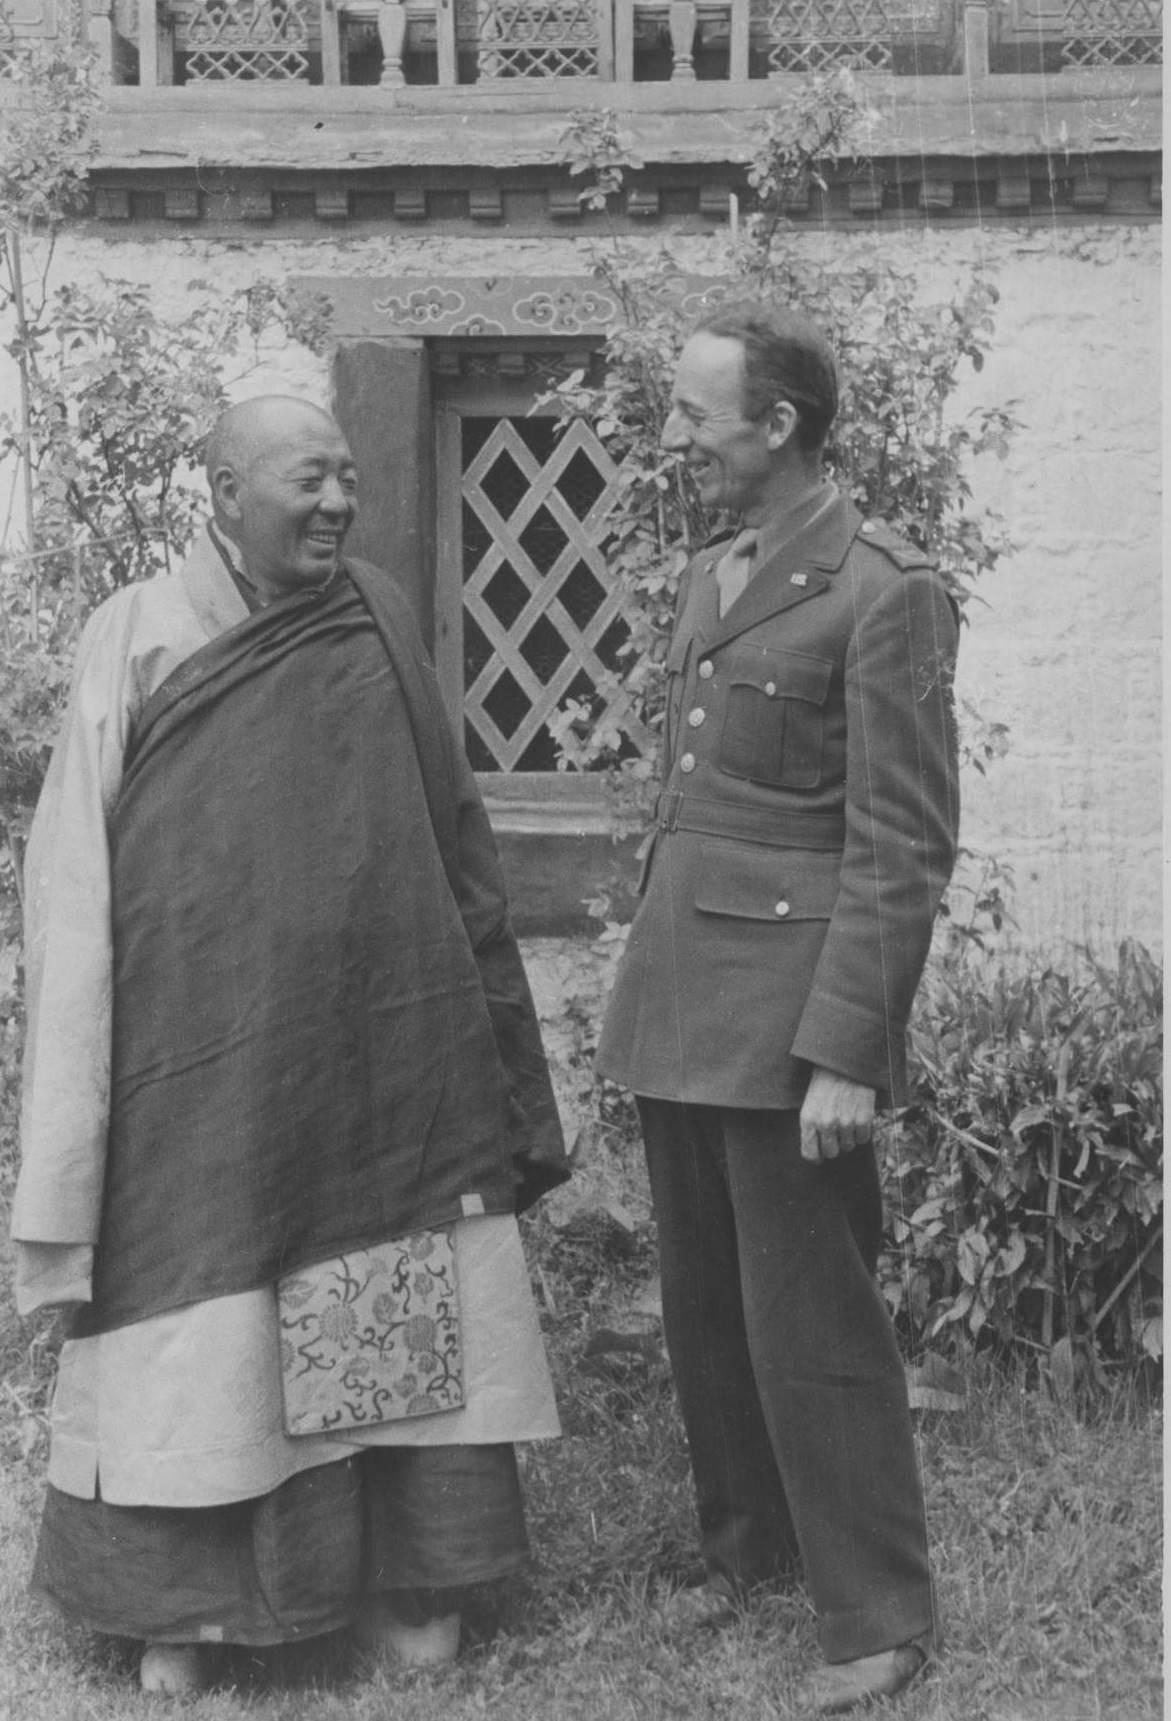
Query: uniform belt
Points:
[675, 811]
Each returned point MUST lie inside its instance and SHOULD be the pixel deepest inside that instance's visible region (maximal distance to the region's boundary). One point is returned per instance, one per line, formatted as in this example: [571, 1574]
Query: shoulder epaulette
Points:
[900, 551]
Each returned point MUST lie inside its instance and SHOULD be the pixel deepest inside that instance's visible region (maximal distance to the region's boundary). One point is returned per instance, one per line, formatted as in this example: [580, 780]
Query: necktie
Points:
[735, 569]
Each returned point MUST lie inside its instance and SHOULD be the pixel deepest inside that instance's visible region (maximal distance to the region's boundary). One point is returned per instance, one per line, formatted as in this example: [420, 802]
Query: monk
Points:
[284, 1097]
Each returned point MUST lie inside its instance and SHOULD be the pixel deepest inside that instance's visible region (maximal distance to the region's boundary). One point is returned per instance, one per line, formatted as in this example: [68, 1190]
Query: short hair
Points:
[786, 357]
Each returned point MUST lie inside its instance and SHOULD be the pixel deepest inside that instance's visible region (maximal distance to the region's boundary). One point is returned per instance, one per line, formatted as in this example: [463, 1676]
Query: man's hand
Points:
[838, 1115]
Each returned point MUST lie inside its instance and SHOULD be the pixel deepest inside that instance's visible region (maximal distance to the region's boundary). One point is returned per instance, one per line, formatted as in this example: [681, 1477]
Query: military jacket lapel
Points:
[799, 570]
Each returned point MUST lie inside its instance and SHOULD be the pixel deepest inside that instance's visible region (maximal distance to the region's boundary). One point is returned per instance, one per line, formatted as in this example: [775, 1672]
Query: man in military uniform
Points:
[804, 835]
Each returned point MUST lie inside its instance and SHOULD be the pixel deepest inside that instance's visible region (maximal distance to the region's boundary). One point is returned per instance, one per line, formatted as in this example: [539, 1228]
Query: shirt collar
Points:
[233, 559]
[783, 524]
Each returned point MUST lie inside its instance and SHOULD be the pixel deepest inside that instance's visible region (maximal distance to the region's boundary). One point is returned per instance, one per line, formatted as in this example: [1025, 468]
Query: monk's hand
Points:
[838, 1116]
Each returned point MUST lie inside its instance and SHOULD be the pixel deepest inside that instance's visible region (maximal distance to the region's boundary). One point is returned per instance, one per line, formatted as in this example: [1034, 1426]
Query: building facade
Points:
[406, 157]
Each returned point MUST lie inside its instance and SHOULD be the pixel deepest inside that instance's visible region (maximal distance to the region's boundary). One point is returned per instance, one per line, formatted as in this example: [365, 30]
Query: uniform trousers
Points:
[789, 1376]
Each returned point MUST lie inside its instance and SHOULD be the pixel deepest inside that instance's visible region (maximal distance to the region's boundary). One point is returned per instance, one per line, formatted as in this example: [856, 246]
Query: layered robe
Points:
[393, 1098]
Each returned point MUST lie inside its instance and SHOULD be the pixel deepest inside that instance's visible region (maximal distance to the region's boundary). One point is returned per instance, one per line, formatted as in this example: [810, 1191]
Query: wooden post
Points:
[976, 38]
[624, 41]
[100, 29]
[681, 19]
[605, 40]
[332, 25]
[445, 42]
[148, 44]
[382, 400]
[739, 23]
[392, 33]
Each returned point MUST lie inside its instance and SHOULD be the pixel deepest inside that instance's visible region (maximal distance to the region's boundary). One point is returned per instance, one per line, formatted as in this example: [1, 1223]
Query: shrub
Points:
[898, 448]
[1023, 1181]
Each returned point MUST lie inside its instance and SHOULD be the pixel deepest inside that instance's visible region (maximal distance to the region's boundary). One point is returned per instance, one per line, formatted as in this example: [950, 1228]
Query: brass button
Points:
[687, 763]
[707, 669]
[770, 688]
[781, 909]
[696, 717]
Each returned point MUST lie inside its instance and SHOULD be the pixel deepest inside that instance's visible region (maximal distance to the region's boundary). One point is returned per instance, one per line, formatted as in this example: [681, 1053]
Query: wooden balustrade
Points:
[518, 42]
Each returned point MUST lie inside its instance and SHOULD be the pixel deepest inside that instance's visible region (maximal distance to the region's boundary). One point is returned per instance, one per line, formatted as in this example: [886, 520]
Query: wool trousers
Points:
[789, 1377]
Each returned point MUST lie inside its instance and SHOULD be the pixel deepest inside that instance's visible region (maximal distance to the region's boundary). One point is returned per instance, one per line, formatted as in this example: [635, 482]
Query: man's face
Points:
[293, 504]
[732, 458]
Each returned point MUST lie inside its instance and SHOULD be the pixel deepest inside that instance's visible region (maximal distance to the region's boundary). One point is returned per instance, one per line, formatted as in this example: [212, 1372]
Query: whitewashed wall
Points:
[1067, 653]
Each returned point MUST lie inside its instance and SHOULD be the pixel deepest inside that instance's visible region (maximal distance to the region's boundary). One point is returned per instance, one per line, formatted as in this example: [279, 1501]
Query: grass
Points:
[1045, 1519]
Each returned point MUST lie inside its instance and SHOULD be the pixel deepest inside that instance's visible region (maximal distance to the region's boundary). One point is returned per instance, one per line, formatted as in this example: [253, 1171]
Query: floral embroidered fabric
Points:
[372, 1336]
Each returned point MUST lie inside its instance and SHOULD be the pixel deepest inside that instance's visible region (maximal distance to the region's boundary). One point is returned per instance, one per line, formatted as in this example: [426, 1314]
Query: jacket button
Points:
[707, 669]
[687, 763]
[770, 688]
[868, 526]
[781, 909]
[696, 717]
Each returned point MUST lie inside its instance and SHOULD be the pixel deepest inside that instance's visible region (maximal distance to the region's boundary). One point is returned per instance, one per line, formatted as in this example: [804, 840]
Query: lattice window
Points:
[541, 622]
[242, 40]
[539, 38]
[809, 35]
[1113, 33]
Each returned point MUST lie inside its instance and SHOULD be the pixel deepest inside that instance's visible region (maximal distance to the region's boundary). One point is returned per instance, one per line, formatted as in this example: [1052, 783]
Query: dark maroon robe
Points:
[323, 1035]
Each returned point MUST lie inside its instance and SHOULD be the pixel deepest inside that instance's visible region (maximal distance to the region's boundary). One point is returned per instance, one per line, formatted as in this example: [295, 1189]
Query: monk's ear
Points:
[782, 422]
[225, 492]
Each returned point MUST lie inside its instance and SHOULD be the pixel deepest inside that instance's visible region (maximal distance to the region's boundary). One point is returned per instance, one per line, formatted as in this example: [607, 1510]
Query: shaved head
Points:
[245, 433]
[283, 488]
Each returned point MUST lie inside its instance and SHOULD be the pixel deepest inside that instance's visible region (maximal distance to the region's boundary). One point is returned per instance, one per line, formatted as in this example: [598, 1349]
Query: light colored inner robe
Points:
[184, 1408]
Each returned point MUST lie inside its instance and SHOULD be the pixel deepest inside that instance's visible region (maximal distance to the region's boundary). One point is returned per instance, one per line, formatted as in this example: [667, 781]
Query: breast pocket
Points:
[774, 728]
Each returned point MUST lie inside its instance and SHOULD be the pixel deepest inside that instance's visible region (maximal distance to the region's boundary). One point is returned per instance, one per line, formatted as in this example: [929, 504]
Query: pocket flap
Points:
[752, 882]
[783, 674]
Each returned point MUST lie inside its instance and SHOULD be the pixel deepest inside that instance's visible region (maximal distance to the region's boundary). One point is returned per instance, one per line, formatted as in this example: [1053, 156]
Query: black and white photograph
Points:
[581, 867]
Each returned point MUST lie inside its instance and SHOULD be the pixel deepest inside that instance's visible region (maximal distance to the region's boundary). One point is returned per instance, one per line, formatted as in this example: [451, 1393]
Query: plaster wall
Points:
[1067, 651]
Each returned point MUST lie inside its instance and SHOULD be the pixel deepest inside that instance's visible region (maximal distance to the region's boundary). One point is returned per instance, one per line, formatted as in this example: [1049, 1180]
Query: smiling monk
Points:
[284, 1096]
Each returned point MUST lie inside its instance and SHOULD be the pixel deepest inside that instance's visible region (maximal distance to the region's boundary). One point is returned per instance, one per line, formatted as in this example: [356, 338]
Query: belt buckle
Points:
[667, 811]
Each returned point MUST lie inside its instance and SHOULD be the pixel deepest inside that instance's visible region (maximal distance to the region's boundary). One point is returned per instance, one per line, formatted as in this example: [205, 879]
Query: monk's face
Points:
[294, 502]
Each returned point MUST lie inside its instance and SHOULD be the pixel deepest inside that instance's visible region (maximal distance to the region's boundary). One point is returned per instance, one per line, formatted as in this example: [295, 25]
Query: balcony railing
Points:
[399, 43]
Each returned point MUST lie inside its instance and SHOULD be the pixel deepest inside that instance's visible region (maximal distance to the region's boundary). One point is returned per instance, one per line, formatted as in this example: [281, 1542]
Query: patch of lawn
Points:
[1046, 1531]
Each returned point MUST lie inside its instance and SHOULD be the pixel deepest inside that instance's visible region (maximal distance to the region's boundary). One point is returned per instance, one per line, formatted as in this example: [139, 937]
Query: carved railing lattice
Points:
[539, 39]
[243, 40]
[1113, 33]
[542, 620]
[811, 35]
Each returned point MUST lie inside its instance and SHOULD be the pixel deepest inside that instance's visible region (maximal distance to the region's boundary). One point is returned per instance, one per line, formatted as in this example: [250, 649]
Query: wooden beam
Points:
[382, 400]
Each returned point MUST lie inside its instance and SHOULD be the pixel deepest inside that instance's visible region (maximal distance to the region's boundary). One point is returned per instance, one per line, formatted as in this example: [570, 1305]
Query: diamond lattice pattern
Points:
[538, 38]
[1113, 33]
[542, 621]
[242, 40]
[809, 35]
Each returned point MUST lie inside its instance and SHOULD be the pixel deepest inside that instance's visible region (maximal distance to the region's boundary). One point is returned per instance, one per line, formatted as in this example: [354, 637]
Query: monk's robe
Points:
[276, 1013]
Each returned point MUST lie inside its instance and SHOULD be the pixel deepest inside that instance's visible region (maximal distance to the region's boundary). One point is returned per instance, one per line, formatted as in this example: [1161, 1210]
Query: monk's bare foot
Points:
[433, 1644]
[170, 1669]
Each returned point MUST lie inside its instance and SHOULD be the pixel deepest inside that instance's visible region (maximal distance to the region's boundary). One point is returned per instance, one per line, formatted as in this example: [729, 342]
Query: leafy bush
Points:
[107, 428]
[1023, 1181]
[898, 447]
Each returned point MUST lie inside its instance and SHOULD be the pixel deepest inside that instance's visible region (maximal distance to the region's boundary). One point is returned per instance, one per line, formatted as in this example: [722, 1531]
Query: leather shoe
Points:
[843, 1685]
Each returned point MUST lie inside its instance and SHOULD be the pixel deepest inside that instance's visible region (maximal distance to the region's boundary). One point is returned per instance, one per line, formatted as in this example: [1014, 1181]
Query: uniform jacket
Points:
[806, 827]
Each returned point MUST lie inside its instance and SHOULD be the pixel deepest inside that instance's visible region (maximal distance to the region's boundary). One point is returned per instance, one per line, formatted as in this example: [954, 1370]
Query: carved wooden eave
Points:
[348, 129]
[1074, 145]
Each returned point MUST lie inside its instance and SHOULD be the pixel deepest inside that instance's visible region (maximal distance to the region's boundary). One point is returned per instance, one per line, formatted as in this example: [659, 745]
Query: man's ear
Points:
[782, 422]
[225, 492]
